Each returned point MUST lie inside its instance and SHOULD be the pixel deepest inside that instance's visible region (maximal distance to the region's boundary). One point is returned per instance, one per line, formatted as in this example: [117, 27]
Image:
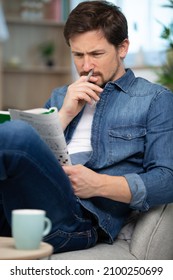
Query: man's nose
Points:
[87, 63]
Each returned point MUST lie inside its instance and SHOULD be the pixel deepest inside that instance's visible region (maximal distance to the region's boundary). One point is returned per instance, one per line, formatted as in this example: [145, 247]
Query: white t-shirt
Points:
[81, 139]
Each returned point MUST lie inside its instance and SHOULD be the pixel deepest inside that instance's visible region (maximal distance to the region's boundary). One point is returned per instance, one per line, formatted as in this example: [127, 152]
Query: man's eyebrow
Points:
[97, 51]
[76, 52]
[93, 51]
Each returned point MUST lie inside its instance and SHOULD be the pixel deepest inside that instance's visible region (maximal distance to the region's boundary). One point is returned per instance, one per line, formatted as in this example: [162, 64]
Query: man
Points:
[119, 131]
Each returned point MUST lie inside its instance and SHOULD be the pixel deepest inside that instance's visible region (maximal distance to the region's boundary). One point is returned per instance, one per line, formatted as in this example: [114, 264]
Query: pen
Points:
[88, 77]
[89, 74]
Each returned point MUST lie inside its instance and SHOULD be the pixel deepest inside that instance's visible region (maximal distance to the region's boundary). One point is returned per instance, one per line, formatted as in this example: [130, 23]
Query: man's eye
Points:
[78, 54]
[97, 54]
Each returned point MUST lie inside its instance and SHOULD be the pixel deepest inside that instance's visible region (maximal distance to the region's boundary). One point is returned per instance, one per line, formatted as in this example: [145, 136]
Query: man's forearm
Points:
[116, 188]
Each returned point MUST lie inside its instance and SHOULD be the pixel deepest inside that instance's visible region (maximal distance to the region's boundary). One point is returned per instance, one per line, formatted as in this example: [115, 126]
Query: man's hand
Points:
[78, 94]
[85, 182]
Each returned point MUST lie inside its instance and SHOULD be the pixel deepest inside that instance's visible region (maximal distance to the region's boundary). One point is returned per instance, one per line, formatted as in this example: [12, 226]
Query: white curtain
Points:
[3, 27]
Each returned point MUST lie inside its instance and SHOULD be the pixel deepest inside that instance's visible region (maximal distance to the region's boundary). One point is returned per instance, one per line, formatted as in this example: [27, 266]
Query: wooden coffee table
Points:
[9, 252]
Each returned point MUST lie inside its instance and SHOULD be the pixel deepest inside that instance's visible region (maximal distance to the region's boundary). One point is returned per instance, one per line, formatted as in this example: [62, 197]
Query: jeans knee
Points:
[16, 135]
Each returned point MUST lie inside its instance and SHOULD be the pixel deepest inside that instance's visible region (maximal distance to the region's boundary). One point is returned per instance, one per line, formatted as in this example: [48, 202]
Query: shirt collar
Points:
[125, 81]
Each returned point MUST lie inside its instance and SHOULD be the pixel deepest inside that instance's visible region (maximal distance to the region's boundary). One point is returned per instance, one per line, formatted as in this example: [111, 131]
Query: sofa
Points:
[145, 236]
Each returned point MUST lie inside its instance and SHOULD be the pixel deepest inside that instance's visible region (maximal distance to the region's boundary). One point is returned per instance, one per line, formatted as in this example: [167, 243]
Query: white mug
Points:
[28, 228]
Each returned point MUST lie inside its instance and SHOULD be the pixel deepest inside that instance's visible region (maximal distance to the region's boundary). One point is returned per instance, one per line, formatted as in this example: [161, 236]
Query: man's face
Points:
[91, 50]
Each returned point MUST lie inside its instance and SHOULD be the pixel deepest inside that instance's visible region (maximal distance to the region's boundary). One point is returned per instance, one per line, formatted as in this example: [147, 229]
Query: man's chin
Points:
[101, 83]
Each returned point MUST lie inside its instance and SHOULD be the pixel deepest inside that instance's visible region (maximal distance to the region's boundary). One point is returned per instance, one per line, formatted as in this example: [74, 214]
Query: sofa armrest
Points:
[152, 238]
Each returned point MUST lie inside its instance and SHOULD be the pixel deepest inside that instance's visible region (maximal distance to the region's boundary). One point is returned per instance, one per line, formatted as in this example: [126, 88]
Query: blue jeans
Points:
[31, 177]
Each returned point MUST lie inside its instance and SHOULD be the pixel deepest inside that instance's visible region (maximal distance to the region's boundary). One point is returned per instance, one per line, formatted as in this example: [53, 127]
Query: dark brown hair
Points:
[97, 15]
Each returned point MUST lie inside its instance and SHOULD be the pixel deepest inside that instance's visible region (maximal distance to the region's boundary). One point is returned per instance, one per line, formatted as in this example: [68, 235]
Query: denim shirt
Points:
[132, 136]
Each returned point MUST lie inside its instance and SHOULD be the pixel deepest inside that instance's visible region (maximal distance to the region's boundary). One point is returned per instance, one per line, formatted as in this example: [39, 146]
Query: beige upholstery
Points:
[152, 239]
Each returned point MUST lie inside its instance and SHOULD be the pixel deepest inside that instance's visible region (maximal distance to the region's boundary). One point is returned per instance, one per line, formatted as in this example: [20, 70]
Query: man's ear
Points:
[123, 48]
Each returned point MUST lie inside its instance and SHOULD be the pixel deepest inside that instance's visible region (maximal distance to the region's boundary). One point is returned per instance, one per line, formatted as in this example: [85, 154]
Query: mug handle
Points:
[48, 226]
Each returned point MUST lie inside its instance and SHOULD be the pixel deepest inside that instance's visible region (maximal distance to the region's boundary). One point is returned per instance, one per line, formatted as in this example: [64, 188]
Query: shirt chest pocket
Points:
[126, 142]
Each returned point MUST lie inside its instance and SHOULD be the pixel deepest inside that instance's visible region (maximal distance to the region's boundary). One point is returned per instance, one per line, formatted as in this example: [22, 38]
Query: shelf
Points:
[37, 70]
[27, 81]
[45, 22]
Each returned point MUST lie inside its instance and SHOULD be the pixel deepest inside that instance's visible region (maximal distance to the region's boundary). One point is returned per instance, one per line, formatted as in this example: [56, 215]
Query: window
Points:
[145, 19]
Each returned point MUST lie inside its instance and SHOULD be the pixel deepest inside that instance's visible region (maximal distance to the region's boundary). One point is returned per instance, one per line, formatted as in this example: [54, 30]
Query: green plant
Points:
[47, 49]
[167, 33]
[165, 75]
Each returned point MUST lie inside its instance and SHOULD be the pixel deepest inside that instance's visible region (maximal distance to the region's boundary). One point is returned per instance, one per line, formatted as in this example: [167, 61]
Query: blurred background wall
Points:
[34, 58]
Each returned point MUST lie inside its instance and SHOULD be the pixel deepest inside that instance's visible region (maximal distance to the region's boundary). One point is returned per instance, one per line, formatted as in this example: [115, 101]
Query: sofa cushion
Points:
[154, 231]
[119, 250]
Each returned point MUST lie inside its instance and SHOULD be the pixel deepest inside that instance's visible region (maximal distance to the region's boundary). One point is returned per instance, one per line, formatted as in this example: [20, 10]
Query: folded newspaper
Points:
[47, 124]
